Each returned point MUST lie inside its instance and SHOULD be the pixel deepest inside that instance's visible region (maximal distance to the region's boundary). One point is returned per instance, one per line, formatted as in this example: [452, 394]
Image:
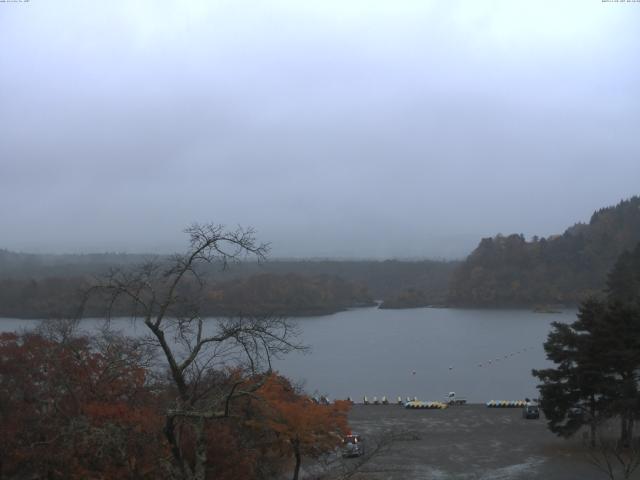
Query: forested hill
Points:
[49, 285]
[561, 269]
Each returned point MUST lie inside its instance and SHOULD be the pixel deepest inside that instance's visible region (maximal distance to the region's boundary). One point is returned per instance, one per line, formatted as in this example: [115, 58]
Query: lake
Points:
[423, 352]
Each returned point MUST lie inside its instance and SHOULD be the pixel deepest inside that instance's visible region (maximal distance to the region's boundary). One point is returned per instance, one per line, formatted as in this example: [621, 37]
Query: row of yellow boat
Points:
[417, 404]
[506, 403]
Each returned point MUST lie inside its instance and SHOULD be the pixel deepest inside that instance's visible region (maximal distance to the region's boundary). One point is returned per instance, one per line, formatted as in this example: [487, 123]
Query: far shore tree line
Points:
[503, 271]
[260, 294]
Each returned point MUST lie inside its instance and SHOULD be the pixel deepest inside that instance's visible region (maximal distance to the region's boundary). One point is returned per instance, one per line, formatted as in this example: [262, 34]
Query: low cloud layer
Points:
[366, 130]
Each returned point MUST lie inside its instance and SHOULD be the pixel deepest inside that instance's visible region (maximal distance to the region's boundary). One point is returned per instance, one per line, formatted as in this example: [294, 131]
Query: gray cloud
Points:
[335, 128]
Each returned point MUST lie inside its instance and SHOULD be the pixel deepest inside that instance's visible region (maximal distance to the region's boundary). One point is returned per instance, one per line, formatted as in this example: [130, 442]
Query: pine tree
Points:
[624, 280]
[597, 359]
[575, 392]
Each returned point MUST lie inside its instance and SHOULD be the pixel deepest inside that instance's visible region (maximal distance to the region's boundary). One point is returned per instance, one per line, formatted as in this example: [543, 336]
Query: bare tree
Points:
[167, 296]
[612, 457]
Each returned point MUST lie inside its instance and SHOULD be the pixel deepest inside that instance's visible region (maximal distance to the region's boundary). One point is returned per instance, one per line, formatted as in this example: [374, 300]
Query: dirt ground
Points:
[465, 442]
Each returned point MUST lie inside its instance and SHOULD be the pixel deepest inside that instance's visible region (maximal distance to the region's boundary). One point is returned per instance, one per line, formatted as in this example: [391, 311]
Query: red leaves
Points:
[295, 418]
[79, 409]
[68, 411]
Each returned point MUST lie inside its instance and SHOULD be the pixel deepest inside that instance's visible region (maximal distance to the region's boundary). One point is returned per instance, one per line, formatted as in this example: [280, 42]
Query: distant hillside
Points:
[47, 282]
[48, 285]
[265, 294]
[384, 279]
[561, 269]
[289, 294]
[30, 265]
[415, 298]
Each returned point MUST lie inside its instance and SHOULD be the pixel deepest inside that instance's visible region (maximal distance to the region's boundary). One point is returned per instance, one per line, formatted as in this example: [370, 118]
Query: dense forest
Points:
[290, 294]
[416, 298]
[43, 286]
[558, 270]
[503, 271]
[265, 294]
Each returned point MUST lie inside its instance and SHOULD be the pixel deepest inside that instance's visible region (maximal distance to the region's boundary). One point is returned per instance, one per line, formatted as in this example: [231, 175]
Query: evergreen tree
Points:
[576, 392]
[618, 334]
[597, 359]
[624, 280]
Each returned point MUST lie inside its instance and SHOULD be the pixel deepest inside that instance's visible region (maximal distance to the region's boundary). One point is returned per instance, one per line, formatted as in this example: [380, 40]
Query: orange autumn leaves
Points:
[80, 409]
[301, 426]
[68, 411]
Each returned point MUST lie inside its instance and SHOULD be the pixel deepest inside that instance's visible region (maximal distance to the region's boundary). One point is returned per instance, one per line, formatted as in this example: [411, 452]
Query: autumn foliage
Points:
[81, 408]
[69, 410]
[193, 399]
[300, 426]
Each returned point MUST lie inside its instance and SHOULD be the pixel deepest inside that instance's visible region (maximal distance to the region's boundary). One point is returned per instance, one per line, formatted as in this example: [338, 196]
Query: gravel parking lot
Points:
[465, 442]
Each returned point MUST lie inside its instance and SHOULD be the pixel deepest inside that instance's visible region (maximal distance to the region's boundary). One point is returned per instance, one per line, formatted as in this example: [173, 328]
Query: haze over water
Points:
[367, 351]
[374, 352]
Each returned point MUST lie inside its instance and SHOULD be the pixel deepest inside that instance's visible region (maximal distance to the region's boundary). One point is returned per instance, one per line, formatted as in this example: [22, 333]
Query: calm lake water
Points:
[423, 352]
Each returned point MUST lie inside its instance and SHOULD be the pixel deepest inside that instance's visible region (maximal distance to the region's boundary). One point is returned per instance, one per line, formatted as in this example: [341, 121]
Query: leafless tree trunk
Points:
[298, 457]
[163, 296]
[614, 458]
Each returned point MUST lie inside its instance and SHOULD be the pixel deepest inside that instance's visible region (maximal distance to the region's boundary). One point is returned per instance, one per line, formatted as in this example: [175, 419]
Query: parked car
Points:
[352, 446]
[452, 399]
[530, 411]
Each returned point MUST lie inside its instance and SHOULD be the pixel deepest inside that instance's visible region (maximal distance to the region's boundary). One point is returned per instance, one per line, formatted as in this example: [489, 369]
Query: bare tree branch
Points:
[167, 295]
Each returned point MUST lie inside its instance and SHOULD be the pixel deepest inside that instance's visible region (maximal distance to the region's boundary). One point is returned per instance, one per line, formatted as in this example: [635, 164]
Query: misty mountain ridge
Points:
[503, 271]
[43, 286]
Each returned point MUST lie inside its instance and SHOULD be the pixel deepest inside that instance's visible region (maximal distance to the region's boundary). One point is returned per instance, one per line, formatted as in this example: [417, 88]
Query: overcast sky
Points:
[340, 128]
